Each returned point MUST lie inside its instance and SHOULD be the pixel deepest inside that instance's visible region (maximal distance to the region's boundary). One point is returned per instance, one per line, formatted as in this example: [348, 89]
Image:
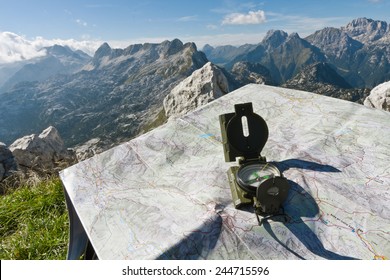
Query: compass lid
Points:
[244, 133]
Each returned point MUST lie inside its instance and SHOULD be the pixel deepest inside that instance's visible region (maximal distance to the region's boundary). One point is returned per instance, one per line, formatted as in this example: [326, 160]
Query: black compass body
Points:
[254, 181]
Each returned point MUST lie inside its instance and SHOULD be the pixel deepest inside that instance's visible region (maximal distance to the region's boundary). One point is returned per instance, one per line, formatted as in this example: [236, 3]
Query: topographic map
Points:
[165, 194]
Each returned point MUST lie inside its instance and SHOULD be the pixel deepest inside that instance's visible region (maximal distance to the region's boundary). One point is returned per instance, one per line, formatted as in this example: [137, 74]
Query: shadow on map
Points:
[197, 244]
[301, 204]
[304, 164]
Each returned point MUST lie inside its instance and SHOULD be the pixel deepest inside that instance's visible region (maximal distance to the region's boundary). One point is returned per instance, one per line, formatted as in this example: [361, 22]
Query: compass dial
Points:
[250, 176]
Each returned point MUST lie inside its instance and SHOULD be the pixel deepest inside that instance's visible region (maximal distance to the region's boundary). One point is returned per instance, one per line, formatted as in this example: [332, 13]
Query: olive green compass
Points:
[254, 181]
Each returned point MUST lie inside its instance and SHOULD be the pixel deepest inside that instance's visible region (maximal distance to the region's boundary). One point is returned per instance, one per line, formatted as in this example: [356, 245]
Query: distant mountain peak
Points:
[207, 48]
[293, 35]
[61, 51]
[171, 47]
[116, 95]
[103, 50]
[58, 60]
[366, 30]
[58, 49]
[274, 38]
[334, 42]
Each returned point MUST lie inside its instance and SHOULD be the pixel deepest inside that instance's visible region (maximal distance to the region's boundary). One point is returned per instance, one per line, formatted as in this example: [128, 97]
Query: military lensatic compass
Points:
[254, 181]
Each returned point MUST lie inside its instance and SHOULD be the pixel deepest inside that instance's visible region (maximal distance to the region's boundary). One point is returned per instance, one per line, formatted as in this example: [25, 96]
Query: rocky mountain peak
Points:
[132, 49]
[103, 50]
[294, 41]
[105, 56]
[328, 35]
[57, 60]
[65, 52]
[274, 38]
[171, 47]
[59, 50]
[203, 86]
[207, 48]
[116, 96]
[293, 35]
[366, 30]
[334, 42]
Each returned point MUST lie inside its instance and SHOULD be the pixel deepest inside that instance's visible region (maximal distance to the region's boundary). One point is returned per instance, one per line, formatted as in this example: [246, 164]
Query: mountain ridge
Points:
[113, 97]
[59, 60]
[358, 51]
[118, 93]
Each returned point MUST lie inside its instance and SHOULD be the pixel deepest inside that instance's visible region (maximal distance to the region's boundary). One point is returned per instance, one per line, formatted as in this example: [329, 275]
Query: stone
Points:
[201, 87]
[7, 162]
[43, 152]
[379, 97]
[88, 149]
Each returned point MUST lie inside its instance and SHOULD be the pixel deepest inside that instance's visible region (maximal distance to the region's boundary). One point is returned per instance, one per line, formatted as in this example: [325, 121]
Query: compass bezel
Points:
[242, 182]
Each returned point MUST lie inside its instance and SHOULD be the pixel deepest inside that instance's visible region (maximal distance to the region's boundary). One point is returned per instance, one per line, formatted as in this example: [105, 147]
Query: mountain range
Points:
[118, 93]
[114, 96]
[359, 52]
[58, 60]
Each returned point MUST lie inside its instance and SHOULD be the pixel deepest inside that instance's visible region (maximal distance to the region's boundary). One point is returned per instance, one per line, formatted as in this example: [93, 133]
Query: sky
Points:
[26, 25]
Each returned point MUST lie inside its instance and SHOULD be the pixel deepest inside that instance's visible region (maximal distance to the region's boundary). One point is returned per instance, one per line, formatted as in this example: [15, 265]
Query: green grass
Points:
[34, 222]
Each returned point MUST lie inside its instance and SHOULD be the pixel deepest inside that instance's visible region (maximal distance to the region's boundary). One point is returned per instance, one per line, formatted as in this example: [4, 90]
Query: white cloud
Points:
[188, 18]
[81, 22]
[253, 17]
[14, 47]
[87, 46]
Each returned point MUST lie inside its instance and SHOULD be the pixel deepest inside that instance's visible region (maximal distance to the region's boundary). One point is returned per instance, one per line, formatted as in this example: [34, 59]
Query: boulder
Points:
[203, 86]
[7, 162]
[379, 97]
[44, 152]
[88, 149]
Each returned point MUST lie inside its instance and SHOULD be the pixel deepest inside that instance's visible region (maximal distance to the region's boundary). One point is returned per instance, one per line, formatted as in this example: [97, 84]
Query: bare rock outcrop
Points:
[43, 153]
[379, 97]
[88, 149]
[203, 86]
[7, 162]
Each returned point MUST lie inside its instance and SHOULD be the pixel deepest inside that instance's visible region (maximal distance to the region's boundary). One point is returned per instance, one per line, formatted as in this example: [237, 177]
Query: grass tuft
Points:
[34, 221]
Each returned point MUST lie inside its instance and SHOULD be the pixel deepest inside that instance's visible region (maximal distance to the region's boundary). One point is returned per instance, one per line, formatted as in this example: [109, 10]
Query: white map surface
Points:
[165, 194]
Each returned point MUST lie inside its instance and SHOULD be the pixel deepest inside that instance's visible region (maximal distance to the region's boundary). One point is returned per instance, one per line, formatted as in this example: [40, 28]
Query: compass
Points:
[251, 176]
[254, 181]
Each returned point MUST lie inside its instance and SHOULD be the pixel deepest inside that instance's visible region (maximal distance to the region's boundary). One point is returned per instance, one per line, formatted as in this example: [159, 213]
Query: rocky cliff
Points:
[245, 72]
[42, 155]
[203, 86]
[379, 97]
[8, 164]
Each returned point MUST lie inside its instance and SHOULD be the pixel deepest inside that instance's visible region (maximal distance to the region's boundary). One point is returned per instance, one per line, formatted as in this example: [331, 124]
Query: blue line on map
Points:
[206, 135]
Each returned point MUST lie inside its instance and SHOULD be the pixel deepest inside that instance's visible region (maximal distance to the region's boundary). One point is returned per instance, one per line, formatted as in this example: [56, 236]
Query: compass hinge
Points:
[260, 159]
